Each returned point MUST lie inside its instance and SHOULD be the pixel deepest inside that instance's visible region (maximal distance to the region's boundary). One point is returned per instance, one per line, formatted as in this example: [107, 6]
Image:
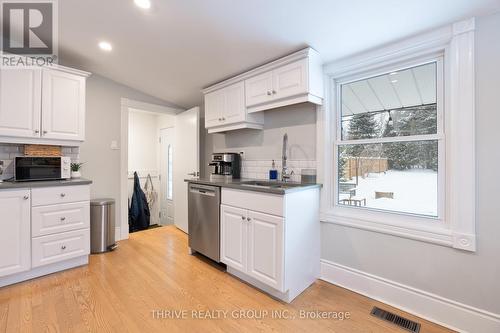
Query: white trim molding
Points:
[455, 226]
[443, 311]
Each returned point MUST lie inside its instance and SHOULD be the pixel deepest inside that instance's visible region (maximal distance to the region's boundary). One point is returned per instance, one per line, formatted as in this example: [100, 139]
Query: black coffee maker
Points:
[226, 164]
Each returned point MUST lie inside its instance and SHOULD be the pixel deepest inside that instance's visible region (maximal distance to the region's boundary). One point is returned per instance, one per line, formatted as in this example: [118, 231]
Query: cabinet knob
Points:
[63, 218]
[37, 131]
[249, 219]
[63, 247]
[269, 93]
[274, 92]
[45, 132]
[63, 195]
[242, 217]
[26, 197]
[223, 119]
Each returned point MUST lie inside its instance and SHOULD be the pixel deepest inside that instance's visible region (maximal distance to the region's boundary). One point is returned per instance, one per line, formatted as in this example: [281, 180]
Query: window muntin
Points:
[388, 141]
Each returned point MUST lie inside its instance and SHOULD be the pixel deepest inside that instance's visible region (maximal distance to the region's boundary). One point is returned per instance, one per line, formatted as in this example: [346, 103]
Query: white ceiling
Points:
[395, 90]
[177, 47]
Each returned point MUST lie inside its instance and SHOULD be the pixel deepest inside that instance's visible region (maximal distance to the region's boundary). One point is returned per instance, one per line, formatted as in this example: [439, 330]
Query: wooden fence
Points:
[364, 165]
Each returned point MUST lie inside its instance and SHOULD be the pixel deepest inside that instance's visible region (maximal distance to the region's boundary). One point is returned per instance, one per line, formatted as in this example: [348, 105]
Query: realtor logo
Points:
[29, 31]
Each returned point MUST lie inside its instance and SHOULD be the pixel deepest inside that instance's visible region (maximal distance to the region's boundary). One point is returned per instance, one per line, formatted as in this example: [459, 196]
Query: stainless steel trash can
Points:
[102, 225]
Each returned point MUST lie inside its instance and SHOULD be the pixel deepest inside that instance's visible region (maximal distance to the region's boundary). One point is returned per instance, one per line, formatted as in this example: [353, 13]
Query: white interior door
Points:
[186, 161]
[166, 175]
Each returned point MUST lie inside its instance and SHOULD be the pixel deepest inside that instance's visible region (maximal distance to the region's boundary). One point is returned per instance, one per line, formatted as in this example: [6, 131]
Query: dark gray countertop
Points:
[242, 184]
[44, 183]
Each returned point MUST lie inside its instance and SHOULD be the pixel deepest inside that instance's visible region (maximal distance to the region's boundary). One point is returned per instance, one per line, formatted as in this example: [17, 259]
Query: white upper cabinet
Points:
[15, 238]
[63, 106]
[236, 102]
[45, 106]
[259, 89]
[225, 109]
[20, 102]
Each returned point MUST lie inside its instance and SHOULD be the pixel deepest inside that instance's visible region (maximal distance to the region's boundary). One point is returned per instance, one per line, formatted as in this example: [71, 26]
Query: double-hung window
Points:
[396, 141]
[389, 141]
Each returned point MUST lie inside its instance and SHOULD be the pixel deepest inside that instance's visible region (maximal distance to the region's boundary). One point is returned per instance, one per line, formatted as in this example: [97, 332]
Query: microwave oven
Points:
[30, 168]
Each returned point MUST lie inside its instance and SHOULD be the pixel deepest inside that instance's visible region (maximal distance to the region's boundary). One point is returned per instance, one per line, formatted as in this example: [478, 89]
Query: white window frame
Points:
[453, 47]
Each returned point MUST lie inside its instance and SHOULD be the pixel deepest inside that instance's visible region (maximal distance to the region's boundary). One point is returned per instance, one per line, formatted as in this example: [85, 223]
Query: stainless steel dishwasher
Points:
[204, 220]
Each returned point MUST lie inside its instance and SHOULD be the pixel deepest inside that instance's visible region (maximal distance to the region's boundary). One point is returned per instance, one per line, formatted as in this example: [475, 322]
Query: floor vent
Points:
[404, 323]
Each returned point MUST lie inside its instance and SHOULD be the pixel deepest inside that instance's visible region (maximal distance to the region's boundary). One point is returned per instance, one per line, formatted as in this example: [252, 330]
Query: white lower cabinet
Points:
[271, 241]
[234, 237]
[44, 230]
[265, 248]
[15, 237]
[58, 247]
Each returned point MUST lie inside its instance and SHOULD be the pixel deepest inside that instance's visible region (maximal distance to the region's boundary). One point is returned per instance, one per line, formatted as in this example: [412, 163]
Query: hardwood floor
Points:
[120, 291]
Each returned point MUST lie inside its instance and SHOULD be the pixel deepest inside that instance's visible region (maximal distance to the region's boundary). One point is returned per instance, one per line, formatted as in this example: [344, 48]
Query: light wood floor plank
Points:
[118, 291]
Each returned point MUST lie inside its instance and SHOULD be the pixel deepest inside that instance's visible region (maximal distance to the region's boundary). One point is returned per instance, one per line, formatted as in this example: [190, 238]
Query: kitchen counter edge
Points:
[237, 184]
[44, 183]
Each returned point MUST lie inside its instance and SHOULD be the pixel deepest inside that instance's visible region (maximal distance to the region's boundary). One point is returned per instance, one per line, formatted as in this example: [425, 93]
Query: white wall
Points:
[260, 147]
[142, 143]
[102, 164]
[469, 278]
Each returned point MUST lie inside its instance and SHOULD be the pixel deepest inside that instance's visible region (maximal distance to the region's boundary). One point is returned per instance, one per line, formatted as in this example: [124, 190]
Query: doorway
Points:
[181, 143]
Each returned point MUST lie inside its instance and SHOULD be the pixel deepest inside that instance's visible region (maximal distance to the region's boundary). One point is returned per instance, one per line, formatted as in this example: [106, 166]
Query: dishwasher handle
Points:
[203, 190]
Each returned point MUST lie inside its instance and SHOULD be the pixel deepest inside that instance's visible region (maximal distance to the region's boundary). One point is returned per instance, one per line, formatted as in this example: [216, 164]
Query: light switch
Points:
[114, 145]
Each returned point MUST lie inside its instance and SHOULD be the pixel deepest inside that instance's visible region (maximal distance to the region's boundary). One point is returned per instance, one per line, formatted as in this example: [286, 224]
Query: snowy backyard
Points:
[415, 191]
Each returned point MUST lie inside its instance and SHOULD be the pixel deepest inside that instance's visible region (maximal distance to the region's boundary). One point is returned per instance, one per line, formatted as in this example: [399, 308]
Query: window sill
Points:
[439, 235]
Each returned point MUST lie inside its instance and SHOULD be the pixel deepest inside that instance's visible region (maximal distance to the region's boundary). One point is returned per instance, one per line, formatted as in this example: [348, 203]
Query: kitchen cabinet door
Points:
[63, 106]
[291, 79]
[265, 249]
[20, 102]
[259, 89]
[214, 105]
[234, 237]
[234, 104]
[15, 238]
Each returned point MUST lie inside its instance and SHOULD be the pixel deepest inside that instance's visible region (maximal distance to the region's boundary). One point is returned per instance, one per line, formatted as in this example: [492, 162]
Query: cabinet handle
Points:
[37, 131]
[45, 132]
[63, 247]
[269, 93]
[242, 217]
[63, 195]
[63, 218]
[223, 119]
[249, 219]
[274, 92]
[26, 197]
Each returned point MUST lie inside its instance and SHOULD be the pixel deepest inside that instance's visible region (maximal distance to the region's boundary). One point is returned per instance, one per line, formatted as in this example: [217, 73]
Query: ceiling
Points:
[395, 90]
[176, 48]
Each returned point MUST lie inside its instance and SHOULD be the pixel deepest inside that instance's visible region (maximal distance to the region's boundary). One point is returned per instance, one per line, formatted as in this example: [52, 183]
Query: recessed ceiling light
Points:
[394, 81]
[393, 73]
[144, 4]
[105, 46]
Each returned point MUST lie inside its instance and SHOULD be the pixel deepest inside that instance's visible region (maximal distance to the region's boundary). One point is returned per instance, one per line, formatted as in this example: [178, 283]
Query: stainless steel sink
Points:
[269, 184]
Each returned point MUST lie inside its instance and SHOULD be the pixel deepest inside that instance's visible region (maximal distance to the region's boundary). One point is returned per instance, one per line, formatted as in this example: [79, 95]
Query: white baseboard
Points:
[440, 310]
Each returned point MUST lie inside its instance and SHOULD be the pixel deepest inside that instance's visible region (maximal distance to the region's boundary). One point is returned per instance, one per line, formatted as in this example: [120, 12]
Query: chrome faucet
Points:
[285, 175]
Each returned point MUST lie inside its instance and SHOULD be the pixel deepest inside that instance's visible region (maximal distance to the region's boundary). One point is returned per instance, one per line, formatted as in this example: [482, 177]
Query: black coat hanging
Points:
[139, 214]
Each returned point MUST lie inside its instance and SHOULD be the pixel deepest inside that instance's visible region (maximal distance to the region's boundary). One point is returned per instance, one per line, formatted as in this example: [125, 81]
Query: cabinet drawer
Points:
[59, 247]
[256, 201]
[47, 220]
[59, 194]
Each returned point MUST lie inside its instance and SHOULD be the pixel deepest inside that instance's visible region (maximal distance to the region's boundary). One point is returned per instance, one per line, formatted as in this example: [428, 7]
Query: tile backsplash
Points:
[8, 151]
[259, 169]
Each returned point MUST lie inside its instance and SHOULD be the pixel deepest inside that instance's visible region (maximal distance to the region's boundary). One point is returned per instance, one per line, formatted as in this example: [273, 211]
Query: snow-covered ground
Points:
[415, 191]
